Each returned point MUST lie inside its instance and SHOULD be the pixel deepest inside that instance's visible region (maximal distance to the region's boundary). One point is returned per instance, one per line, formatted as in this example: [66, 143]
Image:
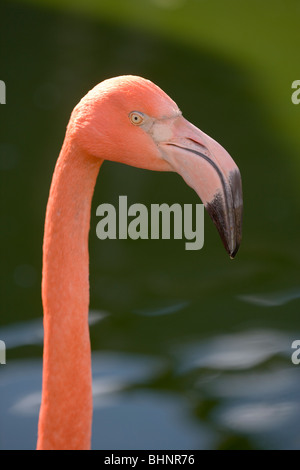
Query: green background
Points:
[229, 65]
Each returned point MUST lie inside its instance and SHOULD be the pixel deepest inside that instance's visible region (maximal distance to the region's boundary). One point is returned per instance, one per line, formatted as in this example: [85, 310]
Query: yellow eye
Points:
[136, 118]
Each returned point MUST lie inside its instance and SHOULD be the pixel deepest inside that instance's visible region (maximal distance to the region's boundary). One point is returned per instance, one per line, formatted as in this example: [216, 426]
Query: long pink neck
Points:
[66, 409]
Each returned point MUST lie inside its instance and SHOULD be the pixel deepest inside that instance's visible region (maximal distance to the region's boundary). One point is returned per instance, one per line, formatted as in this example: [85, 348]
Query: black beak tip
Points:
[217, 212]
[234, 252]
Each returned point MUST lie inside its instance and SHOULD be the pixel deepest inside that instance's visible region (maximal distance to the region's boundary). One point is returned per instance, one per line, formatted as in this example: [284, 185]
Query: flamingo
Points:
[126, 119]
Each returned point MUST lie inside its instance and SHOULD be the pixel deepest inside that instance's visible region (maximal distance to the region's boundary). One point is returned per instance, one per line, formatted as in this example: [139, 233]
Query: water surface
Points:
[190, 350]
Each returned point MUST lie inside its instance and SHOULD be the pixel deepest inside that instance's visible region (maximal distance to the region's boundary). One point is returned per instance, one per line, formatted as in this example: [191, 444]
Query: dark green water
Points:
[190, 349]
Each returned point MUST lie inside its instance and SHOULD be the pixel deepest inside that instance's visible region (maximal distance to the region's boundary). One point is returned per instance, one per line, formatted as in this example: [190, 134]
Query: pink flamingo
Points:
[130, 120]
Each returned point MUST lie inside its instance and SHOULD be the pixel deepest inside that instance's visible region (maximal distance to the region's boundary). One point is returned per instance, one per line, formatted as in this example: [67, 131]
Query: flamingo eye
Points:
[136, 118]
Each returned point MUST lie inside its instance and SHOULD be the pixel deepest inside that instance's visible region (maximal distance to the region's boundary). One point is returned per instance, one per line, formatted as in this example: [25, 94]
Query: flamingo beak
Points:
[207, 167]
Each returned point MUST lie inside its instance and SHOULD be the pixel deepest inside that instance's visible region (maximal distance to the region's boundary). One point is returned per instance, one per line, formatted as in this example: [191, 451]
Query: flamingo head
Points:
[130, 120]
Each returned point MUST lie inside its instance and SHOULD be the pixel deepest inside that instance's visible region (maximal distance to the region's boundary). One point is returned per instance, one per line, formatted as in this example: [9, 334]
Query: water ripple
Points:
[272, 299]
[241, 350]
[162, 310]
[257, 417]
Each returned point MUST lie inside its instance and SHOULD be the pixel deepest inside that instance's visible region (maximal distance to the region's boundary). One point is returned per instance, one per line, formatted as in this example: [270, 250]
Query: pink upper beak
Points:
[208, 168]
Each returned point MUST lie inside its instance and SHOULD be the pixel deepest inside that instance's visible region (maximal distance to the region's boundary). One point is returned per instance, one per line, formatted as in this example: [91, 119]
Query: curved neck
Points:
[66, 409]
